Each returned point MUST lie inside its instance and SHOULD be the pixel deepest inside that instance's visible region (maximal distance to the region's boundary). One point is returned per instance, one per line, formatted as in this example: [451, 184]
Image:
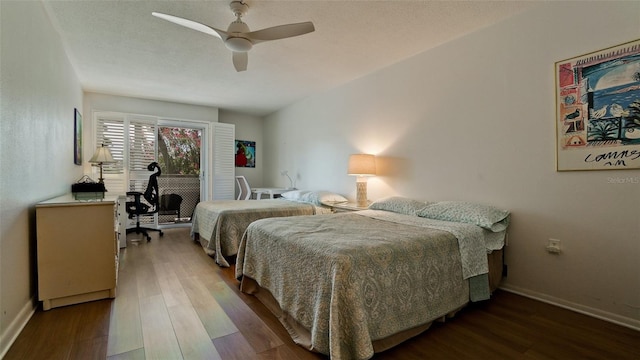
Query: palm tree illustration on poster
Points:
[598, 110]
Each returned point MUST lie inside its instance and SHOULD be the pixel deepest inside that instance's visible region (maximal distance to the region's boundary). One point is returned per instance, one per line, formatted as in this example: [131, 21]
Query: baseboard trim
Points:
[15, 328]
[585, 310]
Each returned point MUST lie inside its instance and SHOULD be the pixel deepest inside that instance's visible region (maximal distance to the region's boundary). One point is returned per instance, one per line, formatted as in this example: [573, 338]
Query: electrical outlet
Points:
[553, 246]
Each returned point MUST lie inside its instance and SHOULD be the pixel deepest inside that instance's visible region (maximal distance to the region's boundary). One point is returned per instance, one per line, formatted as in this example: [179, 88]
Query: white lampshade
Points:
[362, 165]
[102, 156]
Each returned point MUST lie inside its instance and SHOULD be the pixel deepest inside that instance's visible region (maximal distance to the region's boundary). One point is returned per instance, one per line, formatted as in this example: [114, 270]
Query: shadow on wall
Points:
[391, 175]
[392, 167]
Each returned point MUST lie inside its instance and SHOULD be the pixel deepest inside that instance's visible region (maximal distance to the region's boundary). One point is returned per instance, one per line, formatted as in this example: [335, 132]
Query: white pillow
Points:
[486, 216]
[294, 195]
[399, 204]
[320, 197]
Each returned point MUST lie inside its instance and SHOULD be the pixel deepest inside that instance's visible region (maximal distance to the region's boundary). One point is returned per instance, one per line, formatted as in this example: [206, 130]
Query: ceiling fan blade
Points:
[240, 60]
[280, 32]
[192, 25]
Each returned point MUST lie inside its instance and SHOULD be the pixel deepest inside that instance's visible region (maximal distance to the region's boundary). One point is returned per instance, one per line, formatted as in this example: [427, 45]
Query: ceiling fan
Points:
[238, 38]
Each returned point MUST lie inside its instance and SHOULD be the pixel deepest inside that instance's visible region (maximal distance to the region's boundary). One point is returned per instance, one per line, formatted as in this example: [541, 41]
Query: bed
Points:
[351, 284]
[218, 225]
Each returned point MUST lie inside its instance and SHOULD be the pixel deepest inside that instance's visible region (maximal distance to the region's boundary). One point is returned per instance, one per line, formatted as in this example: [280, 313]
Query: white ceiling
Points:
[118, 48]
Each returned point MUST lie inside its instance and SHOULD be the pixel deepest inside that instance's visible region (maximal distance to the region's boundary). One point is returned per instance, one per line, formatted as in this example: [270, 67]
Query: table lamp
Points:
[100, 157]
[362, 166]
[292, 185]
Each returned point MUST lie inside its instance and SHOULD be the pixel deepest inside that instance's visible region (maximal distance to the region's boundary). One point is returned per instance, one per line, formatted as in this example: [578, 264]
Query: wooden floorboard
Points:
[251, 326]
[160, 341]
[125, 328]
[174, 302]
[215, 320]
[194, 341]
[235, 346]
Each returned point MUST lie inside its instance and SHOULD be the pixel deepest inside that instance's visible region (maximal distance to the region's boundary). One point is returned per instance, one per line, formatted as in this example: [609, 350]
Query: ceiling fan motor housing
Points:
[235, 41]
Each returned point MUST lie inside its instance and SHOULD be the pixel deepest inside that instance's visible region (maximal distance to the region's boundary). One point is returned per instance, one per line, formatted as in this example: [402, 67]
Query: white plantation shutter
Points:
[223, 161]
[132, 149]
[109, 131]
[143, 135]
[143, 150]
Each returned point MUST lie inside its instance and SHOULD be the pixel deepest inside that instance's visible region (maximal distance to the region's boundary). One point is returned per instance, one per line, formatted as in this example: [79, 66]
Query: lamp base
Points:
[361, 193]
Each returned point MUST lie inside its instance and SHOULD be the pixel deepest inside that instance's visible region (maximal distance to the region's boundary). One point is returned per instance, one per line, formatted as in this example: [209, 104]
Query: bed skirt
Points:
[302, 336]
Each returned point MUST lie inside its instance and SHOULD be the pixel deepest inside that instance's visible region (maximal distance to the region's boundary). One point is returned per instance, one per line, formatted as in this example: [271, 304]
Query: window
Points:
[134, 142]
[132, 152]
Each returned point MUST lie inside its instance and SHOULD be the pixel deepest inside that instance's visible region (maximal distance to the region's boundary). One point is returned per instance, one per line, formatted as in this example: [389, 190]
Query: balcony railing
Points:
[187, 187]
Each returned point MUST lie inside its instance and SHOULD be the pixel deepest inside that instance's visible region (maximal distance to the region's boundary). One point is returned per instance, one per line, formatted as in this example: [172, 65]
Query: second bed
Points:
[219, 224]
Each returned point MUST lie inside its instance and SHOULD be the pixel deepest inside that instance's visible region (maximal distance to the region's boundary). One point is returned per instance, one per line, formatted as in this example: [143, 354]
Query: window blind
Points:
[110, 133]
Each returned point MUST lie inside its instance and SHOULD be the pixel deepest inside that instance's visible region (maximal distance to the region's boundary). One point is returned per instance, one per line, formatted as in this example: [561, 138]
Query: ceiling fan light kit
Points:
[238, 44]
[238, 37]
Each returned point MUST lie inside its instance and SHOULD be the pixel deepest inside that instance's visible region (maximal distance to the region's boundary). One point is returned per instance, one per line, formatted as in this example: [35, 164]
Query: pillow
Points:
[398, 204]
[320, 197]
[294, 195]
[485, 216]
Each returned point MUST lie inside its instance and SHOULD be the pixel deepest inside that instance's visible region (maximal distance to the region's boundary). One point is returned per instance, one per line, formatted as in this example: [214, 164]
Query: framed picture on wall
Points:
[598, 110]
[77, 137]
[245, 153]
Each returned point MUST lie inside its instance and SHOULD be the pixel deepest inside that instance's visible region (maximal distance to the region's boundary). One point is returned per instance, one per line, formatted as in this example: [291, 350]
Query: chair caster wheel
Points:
[161, 233]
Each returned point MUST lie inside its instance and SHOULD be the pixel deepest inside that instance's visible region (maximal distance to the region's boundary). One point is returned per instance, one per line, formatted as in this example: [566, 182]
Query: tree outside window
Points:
[179, 150]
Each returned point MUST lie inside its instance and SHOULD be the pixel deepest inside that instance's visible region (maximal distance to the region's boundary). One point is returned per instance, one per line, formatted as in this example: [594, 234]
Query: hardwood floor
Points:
[174, 302]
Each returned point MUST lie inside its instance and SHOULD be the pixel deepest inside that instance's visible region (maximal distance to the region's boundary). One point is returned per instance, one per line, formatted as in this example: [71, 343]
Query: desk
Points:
[273, 192]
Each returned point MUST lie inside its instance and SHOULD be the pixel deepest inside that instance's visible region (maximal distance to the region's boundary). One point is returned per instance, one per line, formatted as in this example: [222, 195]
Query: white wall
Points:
[39, 91]
[474, 120]
[249, 128]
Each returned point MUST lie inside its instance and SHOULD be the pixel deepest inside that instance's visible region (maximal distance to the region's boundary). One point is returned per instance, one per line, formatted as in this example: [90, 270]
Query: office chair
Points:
[137, 207]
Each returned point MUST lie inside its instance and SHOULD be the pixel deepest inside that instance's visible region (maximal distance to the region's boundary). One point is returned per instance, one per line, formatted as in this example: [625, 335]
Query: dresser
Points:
[77, 249]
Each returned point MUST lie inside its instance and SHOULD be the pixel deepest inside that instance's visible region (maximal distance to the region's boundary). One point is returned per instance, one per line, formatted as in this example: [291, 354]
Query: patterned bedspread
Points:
[221, 223]
[352, 278]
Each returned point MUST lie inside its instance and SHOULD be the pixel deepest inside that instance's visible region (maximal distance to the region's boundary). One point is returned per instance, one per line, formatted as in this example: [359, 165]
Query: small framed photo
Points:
[245, 153]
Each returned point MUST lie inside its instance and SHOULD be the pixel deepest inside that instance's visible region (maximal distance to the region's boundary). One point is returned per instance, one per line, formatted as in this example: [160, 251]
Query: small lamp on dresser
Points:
[362, 166]
[100, 157]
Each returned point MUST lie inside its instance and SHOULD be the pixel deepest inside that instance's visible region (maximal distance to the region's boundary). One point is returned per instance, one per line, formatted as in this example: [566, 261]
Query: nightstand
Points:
[346, 206]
